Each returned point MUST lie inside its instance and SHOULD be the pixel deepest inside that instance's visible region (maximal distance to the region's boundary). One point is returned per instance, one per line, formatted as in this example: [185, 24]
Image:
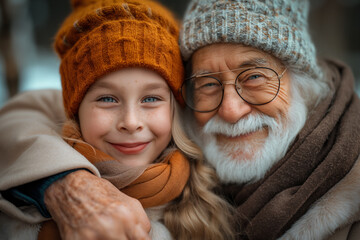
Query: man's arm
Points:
[105, 214]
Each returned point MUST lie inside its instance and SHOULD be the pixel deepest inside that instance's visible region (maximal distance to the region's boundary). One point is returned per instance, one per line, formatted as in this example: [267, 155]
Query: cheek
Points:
[160, 122]
[94, 124]
[280, 105]
[203, 118]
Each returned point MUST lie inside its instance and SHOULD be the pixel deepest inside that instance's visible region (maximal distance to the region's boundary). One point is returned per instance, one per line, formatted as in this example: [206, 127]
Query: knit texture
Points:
[103, 36]
[278, 27]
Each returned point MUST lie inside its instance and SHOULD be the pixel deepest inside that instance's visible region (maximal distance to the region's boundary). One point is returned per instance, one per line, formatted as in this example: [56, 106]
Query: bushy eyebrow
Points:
[256, 62]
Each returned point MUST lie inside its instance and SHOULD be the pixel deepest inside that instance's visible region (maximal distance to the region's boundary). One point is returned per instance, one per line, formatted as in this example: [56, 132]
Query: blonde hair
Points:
[198, 213]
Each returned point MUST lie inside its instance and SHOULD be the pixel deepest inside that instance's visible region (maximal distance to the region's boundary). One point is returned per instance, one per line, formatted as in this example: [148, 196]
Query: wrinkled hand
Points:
[88, 207]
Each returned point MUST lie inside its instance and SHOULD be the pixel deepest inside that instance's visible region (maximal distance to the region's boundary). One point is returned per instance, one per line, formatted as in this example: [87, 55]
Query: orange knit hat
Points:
[102, 36]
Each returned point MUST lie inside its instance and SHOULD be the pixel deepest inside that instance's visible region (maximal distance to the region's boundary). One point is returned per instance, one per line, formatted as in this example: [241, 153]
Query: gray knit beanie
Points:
[278, 27]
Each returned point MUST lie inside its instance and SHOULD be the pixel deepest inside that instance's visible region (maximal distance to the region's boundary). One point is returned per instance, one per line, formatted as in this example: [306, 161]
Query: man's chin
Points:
[242, 150]
[241, 156]
[239, 163]
[238, 154]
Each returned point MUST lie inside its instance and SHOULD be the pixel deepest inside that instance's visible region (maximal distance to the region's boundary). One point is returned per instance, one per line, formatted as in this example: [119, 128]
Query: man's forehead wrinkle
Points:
[229, 65]
[254, 62]
[225, 59]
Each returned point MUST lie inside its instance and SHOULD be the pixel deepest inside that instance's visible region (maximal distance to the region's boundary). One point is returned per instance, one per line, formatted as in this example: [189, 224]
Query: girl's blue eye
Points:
[150, 99]
[107, 99]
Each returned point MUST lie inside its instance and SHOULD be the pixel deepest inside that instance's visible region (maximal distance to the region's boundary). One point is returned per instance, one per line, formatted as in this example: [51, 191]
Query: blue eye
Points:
[107, 99]
[150, 99]
[254, 77]
[206, 84]
[211, 85]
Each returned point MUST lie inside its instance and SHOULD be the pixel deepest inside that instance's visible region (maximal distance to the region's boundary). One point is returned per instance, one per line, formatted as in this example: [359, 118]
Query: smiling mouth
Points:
[242, 137]
[235, 138]
[130, 148]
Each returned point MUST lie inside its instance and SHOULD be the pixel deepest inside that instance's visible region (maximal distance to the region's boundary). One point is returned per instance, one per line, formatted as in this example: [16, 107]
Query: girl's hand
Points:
[88, 207]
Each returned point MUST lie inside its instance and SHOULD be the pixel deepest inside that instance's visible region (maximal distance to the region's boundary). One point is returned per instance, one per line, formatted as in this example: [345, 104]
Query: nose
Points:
[130, 120]
[233, 107]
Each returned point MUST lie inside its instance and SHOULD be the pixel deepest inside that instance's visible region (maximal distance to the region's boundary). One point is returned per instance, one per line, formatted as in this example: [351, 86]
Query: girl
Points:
[121, 70]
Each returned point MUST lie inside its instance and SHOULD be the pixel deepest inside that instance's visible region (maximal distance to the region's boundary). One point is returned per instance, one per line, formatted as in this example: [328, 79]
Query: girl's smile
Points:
[130, 148]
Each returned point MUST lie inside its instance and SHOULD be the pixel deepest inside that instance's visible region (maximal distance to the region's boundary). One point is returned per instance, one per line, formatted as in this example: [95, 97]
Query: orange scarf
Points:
[152, 185]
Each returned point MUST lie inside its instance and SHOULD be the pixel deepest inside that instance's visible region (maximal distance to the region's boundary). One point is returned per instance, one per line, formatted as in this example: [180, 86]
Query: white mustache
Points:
[245, 125]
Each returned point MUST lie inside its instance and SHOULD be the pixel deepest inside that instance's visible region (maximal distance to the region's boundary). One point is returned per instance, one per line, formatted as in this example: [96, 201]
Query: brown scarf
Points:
[153, 185]
[322, 154]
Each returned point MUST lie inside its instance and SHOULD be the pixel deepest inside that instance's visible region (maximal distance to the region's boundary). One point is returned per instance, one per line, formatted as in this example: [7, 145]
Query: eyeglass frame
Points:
[223, 84]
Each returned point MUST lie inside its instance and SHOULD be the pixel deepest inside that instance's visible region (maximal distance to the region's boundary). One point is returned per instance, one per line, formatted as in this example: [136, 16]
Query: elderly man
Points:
[280, 128]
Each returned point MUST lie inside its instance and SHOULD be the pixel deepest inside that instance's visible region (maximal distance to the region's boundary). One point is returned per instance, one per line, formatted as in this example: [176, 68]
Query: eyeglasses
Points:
[255, 85]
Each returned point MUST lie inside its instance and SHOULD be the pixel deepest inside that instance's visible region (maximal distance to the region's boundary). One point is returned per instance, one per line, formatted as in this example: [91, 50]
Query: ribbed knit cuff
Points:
[33, 193]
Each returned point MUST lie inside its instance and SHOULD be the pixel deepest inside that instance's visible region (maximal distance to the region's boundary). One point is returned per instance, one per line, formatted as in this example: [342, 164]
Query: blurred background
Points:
[27, 28]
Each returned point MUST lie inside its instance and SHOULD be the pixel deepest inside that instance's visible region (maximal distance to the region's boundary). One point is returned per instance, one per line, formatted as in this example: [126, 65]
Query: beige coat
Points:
[31, 122]
[35, 120]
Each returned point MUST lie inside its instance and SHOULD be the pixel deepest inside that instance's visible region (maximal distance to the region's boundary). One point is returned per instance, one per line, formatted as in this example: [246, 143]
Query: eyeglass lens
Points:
[256, 86]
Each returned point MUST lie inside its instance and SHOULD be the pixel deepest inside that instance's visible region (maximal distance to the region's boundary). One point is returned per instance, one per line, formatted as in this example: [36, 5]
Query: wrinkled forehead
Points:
[223, 57]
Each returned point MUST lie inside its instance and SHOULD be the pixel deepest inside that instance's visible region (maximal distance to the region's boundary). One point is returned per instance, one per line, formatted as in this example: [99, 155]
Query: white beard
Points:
[237, 168]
